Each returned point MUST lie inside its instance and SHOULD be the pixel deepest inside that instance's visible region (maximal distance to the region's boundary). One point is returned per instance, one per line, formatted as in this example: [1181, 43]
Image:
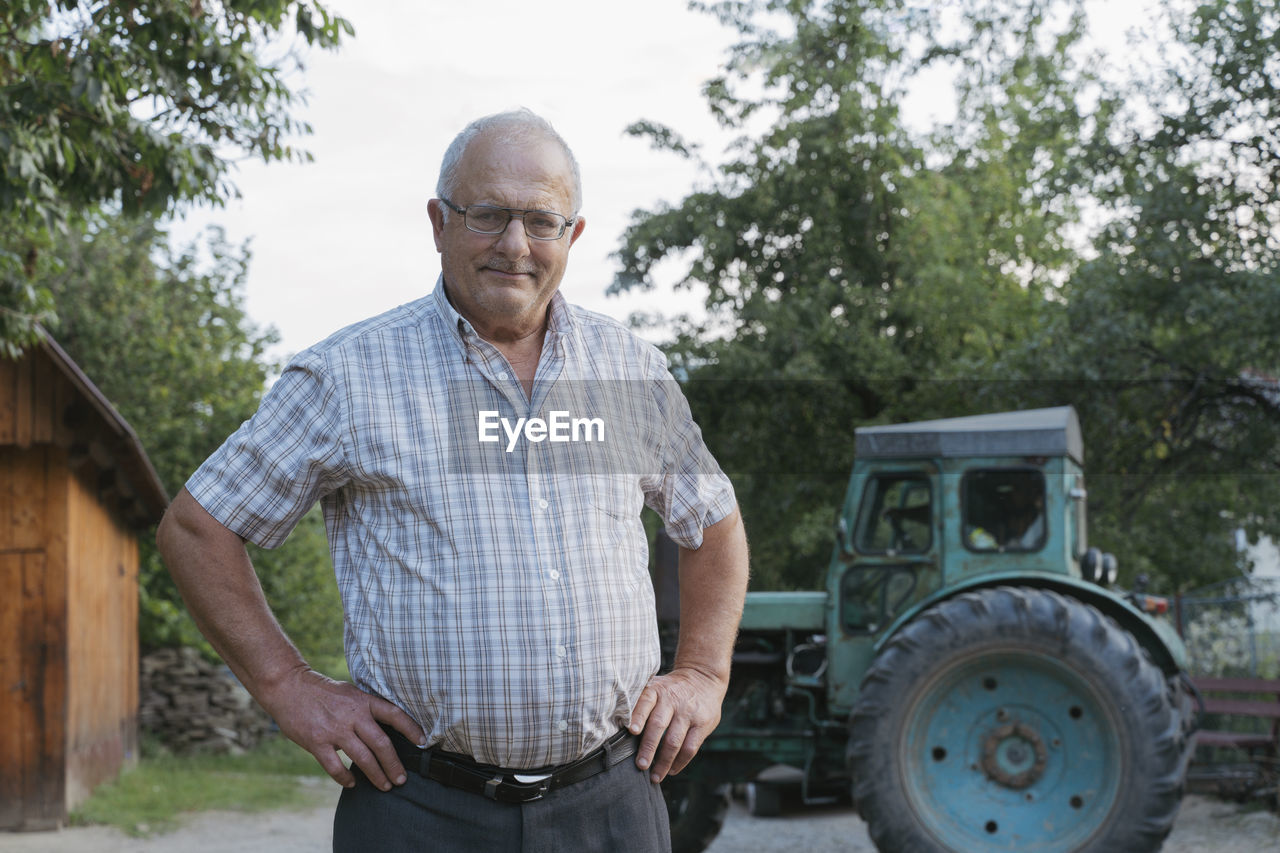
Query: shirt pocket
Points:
[616, 502]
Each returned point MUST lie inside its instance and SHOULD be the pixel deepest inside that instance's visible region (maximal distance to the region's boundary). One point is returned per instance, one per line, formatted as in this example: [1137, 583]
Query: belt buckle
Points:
[520, 791]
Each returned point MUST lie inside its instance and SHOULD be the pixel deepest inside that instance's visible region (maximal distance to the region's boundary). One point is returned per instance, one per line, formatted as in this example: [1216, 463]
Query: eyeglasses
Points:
[488, 219]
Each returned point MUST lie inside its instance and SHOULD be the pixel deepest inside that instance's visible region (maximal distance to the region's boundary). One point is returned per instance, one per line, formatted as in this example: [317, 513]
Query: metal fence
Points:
[1232, 628]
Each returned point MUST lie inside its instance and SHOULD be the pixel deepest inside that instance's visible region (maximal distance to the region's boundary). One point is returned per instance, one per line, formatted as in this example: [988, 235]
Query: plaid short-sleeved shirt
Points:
[493, 572]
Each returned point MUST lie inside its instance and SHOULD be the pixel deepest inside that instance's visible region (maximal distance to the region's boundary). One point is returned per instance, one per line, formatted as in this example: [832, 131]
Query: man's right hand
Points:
[323, 716]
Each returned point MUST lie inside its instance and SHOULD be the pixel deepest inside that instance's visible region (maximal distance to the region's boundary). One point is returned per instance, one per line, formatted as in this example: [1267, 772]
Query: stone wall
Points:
[192, 705]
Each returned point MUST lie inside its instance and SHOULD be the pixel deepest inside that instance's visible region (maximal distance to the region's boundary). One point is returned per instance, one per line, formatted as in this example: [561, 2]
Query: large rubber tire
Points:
[1016, 719]
[697, 810]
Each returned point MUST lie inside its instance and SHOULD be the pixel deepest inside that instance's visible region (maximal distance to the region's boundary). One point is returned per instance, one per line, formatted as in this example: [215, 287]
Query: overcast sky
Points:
[347, 236]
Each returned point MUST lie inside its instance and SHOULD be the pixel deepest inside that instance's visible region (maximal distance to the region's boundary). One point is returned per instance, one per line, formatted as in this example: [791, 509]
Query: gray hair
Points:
[506, 128]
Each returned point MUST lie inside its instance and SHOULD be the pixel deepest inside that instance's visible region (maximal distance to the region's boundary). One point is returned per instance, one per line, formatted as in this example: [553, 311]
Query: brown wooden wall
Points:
[68, 592]
[32, 395]
[33, 652]
[102, 644]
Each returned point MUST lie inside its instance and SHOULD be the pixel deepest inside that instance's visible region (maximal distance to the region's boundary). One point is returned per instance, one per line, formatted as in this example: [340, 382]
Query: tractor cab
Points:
[936, 507]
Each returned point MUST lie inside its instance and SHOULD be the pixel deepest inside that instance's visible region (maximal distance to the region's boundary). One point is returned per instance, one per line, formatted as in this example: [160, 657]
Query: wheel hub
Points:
[1013, 755]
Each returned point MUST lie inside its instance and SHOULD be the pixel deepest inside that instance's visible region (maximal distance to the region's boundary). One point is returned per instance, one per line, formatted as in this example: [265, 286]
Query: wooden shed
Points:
[75, 490]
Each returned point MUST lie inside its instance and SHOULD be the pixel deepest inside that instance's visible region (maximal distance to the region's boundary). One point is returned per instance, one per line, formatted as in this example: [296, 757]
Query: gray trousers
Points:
[617, 810]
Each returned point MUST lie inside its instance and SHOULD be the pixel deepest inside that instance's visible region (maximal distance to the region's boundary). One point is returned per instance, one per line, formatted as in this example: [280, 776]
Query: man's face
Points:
[503, 282]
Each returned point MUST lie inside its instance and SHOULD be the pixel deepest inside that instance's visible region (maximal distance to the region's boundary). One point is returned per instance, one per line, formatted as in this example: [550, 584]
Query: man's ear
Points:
[576, 232]
[435, 211]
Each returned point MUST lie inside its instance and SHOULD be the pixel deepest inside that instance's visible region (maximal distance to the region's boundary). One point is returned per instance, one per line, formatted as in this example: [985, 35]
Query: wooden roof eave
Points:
[140, 488]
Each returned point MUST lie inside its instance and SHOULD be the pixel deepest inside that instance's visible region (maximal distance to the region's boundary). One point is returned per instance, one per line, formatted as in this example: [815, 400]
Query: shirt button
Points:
[502, 376]
[554, 574]
[561, 651]
[563, 726]
[542, 504]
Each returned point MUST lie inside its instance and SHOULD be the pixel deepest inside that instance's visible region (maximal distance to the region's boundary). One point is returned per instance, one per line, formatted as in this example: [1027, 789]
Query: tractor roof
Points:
[1035, 432]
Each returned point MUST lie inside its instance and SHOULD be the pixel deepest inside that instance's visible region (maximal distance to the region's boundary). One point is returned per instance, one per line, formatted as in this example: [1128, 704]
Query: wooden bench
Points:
[1223, 696]
[1240, 698]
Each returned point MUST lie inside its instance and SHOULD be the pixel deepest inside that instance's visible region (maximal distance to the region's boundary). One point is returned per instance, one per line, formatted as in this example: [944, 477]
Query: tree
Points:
[164, 334]
[851, 265]
[1109, 243]
[1165, 335]
[137, 106]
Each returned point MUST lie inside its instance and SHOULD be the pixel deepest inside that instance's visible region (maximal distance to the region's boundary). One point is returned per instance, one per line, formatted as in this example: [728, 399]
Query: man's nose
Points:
[514, 240]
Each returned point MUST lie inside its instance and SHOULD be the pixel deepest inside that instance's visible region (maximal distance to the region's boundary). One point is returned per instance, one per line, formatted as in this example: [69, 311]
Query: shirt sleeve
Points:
[271, 470]
[691, 493]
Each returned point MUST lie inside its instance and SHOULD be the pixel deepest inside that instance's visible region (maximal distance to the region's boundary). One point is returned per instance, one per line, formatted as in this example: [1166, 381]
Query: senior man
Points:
[499, 621]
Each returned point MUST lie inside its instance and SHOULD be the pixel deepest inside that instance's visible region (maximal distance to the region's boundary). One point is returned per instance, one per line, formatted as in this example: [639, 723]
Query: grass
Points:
[149, 797]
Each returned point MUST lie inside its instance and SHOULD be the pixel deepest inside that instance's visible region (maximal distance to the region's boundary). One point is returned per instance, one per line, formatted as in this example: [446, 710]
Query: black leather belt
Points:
[506, 786]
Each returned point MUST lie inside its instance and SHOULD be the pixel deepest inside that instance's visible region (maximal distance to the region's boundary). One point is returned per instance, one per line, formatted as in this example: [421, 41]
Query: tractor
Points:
[970, 676]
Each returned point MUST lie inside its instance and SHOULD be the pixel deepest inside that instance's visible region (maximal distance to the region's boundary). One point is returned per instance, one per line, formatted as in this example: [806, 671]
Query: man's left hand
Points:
[676, 712]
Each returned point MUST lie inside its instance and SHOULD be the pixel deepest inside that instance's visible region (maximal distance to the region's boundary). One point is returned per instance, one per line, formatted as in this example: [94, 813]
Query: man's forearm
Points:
[217, 582]
[677, 711]
[713, 586]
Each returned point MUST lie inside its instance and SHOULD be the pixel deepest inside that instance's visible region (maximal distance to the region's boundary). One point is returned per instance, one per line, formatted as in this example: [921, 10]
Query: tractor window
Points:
[1004, 510]
[896, 516]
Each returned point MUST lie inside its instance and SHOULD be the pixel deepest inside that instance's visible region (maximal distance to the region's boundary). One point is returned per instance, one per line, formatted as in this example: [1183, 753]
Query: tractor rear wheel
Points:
[1016, 719]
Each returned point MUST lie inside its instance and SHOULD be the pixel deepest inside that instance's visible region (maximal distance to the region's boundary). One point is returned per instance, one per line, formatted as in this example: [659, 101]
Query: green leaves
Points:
[1064, 239]
[138, 107]
[164, 334]
[839, 247]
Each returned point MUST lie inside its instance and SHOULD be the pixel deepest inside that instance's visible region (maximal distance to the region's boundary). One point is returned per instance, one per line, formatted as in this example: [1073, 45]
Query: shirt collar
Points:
[457, 325]
[560, 319]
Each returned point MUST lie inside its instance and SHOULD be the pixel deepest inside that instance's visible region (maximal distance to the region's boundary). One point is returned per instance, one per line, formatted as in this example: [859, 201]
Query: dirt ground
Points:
[1204, 826]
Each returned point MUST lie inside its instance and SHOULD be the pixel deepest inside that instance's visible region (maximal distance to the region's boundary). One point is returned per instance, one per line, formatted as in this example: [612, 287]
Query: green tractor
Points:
[968, 675]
